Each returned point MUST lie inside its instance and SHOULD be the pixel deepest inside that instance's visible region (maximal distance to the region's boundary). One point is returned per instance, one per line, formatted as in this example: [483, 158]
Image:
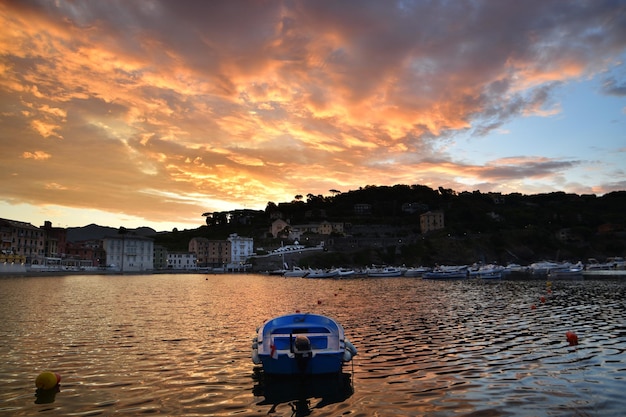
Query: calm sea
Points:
[179, 345]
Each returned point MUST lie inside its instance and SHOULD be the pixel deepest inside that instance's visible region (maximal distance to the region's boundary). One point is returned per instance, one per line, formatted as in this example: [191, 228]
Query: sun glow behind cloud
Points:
[234, 104]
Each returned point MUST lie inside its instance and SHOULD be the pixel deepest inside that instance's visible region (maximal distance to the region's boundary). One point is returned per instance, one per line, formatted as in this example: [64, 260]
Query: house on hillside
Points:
[431, 221]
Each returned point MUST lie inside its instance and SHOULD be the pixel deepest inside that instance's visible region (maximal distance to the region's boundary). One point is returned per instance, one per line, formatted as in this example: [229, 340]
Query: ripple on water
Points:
[180, 345]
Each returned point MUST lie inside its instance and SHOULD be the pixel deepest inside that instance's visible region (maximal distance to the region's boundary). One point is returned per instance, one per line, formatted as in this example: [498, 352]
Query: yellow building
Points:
[22, 240]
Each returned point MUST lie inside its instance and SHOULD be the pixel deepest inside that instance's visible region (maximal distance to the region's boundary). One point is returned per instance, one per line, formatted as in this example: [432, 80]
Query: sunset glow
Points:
[150, 113]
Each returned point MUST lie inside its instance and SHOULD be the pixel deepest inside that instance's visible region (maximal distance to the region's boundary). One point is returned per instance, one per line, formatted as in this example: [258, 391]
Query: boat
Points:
[345, 272]
[388, 271]
[296, 272]
[415, 272]
[572, 273]
[447, 272]
[301, 344]
[322, 273]
[544, 267]
[489, 271]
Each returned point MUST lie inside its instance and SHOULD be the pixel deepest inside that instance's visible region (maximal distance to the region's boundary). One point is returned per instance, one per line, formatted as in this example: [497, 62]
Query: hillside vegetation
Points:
[478, 226]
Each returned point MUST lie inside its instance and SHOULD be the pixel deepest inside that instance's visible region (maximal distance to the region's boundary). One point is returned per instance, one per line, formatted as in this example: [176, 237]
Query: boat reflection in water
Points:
[302, 393]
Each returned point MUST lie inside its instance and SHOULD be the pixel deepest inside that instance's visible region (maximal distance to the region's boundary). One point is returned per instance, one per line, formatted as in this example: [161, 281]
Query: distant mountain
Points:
[93, 231]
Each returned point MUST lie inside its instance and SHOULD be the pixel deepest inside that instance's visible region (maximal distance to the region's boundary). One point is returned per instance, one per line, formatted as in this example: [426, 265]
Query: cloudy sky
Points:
[150, 113]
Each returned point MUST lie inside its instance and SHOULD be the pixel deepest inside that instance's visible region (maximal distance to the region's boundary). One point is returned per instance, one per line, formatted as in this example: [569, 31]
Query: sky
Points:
[150, 113]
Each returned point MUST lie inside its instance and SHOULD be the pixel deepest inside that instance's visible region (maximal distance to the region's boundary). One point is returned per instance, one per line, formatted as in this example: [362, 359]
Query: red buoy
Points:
[572, 338]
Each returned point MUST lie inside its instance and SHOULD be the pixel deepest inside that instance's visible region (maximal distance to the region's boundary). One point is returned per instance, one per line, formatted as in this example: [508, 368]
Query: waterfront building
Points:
[210, 253]
[160, 257]
[55, 240]
[181, 261]
[129, 253]
[22, 240]
[241, 248]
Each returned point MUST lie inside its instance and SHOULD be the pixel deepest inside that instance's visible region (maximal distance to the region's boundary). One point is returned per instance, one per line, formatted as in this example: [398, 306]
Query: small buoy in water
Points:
[572, 338]
[543, 299]
[533, 307]
[548, 284]
[47, 380]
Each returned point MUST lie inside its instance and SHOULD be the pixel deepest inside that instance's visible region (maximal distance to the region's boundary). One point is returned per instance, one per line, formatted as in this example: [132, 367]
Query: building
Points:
[279, 227]
[129, 253]
[431, 220]
[181, 261]
[210, 253]
[87, 253]
[22, 240]
[160, 257]
[55, 240]
[241, 248]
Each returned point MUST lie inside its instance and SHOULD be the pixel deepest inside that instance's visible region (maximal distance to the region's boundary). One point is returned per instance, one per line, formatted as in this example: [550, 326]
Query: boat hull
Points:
[445, 275]
[289, 364]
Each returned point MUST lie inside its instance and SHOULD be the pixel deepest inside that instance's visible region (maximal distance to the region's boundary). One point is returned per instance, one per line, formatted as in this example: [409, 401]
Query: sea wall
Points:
[12, 268]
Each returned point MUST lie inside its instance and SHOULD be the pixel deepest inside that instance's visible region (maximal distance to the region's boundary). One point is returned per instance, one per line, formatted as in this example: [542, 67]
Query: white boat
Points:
[447, 272]
[416, 271]
[384, 272]
[544, 267]
[322, 273]
[344, 272]
[573, 272]
[514, 268]
[301, 344]
[296, 272]
[616, 262]
[489, 271]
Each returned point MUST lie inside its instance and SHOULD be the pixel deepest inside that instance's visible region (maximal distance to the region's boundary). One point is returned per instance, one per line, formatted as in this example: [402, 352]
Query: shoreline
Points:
[513, 276]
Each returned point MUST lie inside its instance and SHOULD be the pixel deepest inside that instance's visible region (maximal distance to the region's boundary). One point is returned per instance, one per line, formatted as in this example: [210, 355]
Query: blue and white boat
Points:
[301, 344]
[447, 272]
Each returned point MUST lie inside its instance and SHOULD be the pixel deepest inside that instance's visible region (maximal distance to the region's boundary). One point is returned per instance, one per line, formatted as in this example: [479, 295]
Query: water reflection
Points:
[301, 394]
[176, 345]
[46, 396]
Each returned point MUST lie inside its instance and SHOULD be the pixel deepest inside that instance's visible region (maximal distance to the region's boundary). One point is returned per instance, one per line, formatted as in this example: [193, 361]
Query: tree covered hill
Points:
[478, 226]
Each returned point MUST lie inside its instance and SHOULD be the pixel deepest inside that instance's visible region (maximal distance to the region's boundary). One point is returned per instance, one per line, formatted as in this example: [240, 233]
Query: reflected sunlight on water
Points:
[179, 345]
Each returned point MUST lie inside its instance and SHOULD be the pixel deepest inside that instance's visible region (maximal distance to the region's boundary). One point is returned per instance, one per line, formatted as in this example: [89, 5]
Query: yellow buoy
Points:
[46, 380]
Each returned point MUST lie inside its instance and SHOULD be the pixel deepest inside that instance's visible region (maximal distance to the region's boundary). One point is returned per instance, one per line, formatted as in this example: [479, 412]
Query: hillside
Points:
[94, 231]
[478, 227]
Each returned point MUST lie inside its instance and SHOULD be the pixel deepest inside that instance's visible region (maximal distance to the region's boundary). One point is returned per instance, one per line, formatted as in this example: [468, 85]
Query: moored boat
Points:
[416, 271]
[490, 271]
[384, 272]
[301, 344]
[296, 272]
[345, 272]
[447, 272]
[322, 273]
[573, 272]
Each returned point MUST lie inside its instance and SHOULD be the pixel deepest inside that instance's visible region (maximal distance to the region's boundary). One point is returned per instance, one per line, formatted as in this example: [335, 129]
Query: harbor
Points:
[179, 344]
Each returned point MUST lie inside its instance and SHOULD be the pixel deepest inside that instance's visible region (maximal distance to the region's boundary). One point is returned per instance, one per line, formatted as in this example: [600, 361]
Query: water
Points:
[179, 345]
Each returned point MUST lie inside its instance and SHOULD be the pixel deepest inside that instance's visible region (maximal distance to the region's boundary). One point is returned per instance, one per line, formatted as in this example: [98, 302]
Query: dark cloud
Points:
[614, 87]
[249, 99]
